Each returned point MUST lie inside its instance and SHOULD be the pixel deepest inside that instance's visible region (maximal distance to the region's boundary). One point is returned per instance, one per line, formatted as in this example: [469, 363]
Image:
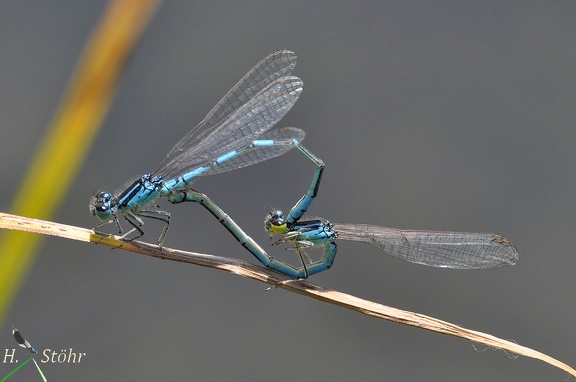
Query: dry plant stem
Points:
[266, 275]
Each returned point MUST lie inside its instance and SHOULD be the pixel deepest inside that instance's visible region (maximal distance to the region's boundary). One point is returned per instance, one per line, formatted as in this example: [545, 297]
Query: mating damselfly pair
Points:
[238, 132]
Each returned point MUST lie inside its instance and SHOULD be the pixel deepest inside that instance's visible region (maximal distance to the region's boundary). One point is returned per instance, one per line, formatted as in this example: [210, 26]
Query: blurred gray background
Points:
[433, 115]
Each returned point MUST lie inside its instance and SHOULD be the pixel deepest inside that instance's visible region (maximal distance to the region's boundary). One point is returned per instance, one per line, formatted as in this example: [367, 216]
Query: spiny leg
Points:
[136, 223]
[163, 216]
[113, 220]
[303, 260]
[135, 220]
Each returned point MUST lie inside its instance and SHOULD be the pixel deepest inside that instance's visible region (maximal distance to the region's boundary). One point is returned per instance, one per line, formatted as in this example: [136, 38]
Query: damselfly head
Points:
[102, 205]
[274, 223]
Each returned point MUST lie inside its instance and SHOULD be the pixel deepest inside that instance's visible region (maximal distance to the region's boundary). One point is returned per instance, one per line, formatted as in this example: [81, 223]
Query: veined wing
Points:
[458, 250]
[247, 96]
[247, 123]
[276, 65]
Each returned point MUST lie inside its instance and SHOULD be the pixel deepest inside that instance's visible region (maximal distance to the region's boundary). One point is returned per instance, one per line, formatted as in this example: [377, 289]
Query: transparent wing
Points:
[258, 101]
[247, 123]
[260, 154]
[458, 250]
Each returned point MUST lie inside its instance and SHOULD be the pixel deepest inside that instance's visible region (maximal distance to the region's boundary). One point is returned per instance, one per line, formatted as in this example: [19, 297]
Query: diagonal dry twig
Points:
[263, 274]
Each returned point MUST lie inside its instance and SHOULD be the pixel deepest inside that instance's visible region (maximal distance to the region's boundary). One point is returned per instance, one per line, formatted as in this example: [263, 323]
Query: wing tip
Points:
[513, 255]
